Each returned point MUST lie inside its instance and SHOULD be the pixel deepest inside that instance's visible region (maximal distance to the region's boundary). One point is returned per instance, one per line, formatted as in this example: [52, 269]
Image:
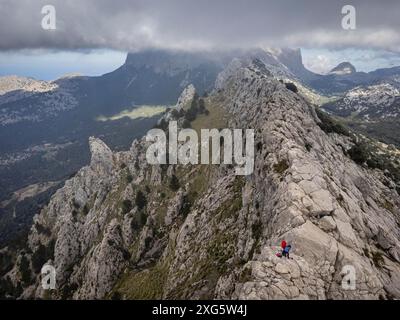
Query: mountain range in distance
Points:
[122, 228]
[45, 126]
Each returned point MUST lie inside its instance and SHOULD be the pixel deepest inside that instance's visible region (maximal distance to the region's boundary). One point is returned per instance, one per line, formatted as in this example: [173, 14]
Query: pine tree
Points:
[174, 183]
[140, 200]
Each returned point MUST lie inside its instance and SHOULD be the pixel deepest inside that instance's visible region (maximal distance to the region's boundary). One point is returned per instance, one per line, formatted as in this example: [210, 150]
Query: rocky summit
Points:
[123, 229]
[343, 68]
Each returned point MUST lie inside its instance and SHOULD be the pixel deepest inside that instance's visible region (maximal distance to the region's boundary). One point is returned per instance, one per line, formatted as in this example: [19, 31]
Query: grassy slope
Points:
[148, 283]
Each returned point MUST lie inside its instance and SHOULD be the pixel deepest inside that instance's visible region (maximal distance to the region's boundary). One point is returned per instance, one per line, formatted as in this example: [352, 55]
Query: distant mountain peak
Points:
[70, 75]
[293, 60]
[343, 68]
[15, 83]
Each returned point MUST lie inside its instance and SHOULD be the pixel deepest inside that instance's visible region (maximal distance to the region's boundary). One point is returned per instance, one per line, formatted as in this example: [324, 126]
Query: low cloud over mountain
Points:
[131, 25]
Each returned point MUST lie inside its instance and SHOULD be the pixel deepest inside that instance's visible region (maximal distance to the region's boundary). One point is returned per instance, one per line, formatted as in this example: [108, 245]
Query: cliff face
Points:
[123, 228]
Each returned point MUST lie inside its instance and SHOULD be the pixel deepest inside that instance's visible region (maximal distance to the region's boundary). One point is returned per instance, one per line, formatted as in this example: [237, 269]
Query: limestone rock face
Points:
[103, 264]
[122, 227]
[102, 157]
[186, 97]
[183, 103]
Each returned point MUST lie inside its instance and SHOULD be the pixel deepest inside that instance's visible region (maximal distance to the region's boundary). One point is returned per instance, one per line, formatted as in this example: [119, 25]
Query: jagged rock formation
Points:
[126, 229]
[186, 97]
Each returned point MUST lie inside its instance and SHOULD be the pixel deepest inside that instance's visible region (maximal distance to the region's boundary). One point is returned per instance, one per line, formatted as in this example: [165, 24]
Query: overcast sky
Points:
[129, 25]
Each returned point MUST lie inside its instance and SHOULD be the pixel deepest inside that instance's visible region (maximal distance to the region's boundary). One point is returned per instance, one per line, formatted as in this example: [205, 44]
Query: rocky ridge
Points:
[124, 229]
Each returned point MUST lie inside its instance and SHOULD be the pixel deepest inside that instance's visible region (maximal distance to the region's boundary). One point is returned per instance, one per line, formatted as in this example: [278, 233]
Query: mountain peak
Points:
[186, 97]
[102, 156]
[343, 68]
[335, 218]
[293, 60]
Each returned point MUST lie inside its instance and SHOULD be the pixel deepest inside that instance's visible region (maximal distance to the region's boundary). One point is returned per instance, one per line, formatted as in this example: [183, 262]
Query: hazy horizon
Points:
[50, 65]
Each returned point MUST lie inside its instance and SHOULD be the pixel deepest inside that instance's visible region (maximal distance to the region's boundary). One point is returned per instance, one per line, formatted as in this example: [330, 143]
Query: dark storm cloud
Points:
[196, 24]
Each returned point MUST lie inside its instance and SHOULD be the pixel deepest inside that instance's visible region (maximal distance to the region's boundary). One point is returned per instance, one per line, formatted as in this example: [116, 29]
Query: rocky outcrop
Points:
[343, 68]
[328, 207]
[124, 228]
[186, 97]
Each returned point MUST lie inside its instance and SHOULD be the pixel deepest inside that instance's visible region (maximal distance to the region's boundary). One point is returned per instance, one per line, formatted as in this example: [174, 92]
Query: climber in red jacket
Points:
[285, 250]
